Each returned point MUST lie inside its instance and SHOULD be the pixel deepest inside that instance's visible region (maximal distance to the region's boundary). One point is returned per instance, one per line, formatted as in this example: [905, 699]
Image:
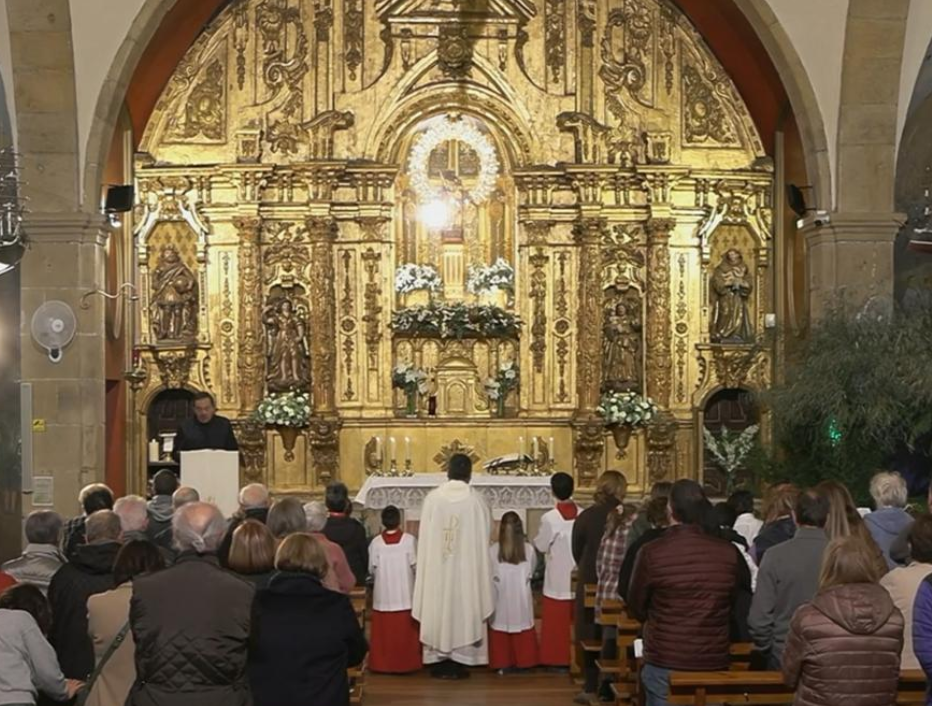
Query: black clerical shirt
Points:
[215, 434]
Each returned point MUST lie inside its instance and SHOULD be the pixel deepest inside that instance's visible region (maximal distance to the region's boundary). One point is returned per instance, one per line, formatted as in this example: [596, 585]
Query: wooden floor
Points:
[484, 688]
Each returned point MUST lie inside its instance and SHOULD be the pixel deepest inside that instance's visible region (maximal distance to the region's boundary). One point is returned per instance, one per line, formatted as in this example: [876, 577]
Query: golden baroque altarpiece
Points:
[275, 202]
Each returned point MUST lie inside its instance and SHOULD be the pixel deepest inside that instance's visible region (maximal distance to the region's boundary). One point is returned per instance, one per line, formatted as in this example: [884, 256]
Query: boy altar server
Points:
[396, 644]
[554, 541]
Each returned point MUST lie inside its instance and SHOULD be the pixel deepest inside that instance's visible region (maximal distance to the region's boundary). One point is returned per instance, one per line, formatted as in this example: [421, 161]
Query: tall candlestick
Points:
[391, 445]
[520, 446]
[534, 448]
[553, 453]
[378, 448]
[407, 449]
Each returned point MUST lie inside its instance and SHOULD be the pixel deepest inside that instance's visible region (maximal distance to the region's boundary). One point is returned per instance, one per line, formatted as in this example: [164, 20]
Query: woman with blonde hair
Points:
[309, 634]
[512, 638]
[850, 629]
[889, 519]
[252, 553]
[844, 520]
[588, 530]
[778, 504]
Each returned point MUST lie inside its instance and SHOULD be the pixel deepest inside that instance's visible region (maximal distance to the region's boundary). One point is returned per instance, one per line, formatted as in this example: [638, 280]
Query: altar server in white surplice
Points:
[453, 587]
[395, 647]
[512, 638]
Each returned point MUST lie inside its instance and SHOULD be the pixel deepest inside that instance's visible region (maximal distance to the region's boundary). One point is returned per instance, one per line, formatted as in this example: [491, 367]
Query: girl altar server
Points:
[554, 541]
[512, 639]
[395, 645]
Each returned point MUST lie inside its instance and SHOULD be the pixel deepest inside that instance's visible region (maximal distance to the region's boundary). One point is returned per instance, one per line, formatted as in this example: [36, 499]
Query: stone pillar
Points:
[325, 424]
[658, 350]
[251, 358]
[850, 261]
[589, 433]
[65, 261]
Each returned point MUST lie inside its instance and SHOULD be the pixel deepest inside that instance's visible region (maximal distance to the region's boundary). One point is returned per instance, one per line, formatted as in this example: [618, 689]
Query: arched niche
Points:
[167, 410]
[734, 409]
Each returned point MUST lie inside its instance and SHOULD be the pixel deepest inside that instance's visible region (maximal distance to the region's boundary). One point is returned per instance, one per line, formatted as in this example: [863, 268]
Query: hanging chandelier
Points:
[442, 130]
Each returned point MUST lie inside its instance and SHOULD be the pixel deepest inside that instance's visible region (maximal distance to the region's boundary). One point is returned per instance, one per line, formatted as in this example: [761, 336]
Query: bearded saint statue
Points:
[174, 298]
[731, 291]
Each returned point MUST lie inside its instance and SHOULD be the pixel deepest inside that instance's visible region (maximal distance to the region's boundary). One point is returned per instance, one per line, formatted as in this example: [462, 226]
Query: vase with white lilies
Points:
[413, 382]
[729, 450]
[498, 388]
[623, 412]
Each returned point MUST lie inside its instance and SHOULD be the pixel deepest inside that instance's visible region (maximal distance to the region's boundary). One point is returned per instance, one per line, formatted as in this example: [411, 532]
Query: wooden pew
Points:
[747, 687]
[357, 675]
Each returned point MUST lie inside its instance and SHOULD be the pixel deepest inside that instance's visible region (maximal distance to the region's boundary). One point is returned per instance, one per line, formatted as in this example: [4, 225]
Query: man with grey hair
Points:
[340, 576]
[193, 614]
[41, 558]
[88, 573]
[889, 520]
[254, 503]
[134, 517]
[184, 495]
[92, 498]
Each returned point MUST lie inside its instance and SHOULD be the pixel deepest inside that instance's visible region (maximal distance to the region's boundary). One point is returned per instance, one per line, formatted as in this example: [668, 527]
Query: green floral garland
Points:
[456, 321]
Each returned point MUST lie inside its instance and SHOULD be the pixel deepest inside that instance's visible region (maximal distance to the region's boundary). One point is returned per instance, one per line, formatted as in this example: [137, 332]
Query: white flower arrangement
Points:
[504, 381]
[410, 379]
[411, 278]
[627, 408]
[490, 278]
[730, 448]
[443, 130]
[288, 409]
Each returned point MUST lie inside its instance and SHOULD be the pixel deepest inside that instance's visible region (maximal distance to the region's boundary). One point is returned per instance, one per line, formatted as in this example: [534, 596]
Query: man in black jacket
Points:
[88, 573]
[207, 430]
[93, 497]
[348, 533]
[191, 622]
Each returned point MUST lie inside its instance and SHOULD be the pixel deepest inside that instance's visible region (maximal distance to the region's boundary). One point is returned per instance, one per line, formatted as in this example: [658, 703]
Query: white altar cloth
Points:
[500, 492]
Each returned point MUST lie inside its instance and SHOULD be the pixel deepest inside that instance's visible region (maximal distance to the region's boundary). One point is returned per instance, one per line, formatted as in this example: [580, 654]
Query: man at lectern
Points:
[207, 430]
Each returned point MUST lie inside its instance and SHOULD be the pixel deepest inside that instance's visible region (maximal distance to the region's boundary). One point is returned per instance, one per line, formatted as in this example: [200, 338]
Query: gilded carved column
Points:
[251, 359]
[589, 437]
[324, 428]
[659, 356]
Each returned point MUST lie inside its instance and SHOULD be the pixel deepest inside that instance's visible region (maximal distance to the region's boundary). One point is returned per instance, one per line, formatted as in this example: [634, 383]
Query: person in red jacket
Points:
[683, 587]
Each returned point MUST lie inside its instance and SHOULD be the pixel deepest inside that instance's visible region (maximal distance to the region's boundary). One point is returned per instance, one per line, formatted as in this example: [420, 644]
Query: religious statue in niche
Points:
[621, 346]
[286, 345]
[731, 291]
[174, 298]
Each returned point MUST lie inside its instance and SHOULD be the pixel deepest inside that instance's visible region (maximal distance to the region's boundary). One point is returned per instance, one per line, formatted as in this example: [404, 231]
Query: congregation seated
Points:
[90, 571]
[133, 512]
[903, 583]
[161, 508]
[658, 519]
[28, 664]
[778, 526]
[308, 635]
[41, 558]
[191, 622]
[254, 502]
[343, 530]
[252, 553]
[92, 498]
[746, 522]
[890, 518]
[108, 623]
[339, 576]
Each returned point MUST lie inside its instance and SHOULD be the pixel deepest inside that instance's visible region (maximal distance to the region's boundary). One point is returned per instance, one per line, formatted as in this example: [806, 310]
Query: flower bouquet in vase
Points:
[411, 380]
[492, 284]
[624, 412]
[729, 450]
[498, 388]
[417, 284]
[287, 412]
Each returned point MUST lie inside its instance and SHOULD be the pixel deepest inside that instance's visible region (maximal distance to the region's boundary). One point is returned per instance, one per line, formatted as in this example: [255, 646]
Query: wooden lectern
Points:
[215, 475]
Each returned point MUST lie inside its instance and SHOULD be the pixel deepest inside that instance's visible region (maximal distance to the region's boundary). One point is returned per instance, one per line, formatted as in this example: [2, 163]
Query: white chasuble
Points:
[453, 586]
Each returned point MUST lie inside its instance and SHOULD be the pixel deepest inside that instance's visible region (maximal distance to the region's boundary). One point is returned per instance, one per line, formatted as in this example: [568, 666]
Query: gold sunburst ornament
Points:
[443, 130]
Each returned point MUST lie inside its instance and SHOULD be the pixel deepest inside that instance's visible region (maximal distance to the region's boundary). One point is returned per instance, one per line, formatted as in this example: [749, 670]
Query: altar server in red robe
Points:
[395, 646]
[512, 638]
[554, 541]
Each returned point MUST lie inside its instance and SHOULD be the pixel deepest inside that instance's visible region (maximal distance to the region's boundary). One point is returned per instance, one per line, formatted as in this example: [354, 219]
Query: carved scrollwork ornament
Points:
[324, 436]
[174, 366]
[661, 448]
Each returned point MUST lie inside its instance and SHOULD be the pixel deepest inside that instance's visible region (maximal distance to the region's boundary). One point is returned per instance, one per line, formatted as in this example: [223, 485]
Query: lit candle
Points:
[391, 444]
[520, 446]
[534, 448]
[378, 448]
[553, 452]
[407, 449]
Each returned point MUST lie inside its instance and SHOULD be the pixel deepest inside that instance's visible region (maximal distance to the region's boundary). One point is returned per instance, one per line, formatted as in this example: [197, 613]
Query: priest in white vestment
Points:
[453, 586]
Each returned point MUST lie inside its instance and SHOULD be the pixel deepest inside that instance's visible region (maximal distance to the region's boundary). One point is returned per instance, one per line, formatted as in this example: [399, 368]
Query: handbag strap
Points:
[114, 646]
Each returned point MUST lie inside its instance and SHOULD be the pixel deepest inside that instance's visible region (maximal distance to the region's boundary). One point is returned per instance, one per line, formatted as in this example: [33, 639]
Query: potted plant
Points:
[729, 449]
[498, 388]
[417, 283]
[624, 412]
[287, 412]
[492, 284]
[413, 381]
